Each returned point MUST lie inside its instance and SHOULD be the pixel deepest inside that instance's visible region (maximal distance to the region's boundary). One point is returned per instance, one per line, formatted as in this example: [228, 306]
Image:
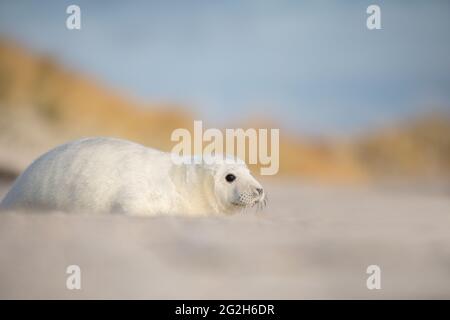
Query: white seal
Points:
[112, 175]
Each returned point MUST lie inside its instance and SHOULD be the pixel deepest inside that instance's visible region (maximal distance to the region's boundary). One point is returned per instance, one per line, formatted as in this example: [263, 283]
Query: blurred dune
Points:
[43, 104]
[418, 148]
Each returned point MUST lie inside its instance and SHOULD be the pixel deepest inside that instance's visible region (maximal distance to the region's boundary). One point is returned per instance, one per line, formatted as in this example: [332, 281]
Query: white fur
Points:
[111, 175]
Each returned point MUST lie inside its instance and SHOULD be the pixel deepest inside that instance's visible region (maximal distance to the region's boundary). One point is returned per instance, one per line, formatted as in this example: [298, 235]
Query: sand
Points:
[311, 242]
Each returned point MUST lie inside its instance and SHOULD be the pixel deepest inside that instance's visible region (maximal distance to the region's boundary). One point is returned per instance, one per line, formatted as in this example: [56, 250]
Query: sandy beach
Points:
[310, 242]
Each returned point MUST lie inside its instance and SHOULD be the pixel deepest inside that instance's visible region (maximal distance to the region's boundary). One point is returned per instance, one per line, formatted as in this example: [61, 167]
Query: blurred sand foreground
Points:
[311, 242]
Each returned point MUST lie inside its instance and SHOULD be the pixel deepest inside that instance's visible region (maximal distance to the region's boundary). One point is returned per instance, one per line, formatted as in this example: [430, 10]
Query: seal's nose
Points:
[260, 191]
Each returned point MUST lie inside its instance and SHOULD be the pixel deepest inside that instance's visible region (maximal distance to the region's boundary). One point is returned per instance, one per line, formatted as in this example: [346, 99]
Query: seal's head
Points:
[234, 186]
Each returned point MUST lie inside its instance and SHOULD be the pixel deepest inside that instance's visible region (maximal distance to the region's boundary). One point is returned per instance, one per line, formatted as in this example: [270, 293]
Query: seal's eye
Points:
[230, 177]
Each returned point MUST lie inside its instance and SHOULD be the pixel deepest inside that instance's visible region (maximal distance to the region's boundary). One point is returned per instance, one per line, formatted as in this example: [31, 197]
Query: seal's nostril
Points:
[260, 191]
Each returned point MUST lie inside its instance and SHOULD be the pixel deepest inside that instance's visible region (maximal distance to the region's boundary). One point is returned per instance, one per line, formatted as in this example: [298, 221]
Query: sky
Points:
[312, 66]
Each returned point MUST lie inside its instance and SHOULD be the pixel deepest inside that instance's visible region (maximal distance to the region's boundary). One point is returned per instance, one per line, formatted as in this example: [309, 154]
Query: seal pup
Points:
[99, 175]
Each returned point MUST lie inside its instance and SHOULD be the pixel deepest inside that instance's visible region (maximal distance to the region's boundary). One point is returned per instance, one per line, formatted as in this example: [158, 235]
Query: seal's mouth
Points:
[260, 203]
[240, 204]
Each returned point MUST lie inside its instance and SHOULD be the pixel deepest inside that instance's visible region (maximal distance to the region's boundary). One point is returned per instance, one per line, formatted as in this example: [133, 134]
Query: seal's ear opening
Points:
[207, 170]
[210, 181]
[178, 174]
[208, 173]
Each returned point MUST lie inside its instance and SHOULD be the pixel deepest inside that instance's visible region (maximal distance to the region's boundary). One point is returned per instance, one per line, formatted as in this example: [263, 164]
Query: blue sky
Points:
[313, 66]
